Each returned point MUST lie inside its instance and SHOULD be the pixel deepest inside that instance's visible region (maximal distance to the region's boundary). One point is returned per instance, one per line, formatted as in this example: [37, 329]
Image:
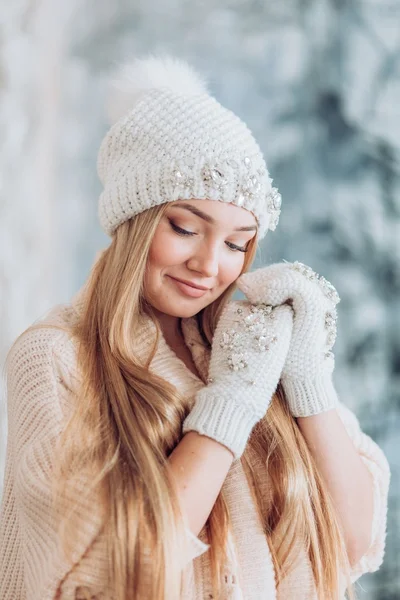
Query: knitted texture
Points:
[41, 371]
[307, 374]
[248, 352]
[178, 142]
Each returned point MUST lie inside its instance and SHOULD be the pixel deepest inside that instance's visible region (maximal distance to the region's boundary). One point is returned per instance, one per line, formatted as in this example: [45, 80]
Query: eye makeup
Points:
[185, 232]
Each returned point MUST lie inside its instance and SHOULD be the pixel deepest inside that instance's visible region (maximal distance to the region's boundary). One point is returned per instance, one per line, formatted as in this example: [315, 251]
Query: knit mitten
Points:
[307, 373]
[248, 352]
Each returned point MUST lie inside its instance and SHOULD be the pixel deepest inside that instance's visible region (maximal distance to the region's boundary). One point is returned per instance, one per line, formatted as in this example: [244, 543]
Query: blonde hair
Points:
[128, 420]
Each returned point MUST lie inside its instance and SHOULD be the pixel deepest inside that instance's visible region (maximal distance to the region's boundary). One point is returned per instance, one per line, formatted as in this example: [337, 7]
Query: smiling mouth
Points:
[193, 285]
[188, 289]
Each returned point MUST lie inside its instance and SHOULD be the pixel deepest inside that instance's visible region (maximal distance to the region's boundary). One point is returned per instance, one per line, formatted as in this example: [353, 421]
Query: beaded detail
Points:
[274, 203]
[248, 186]
[253, 326]
[330, 292]
[215, 177]
[181, 179]
[330, 325]
[326, 286]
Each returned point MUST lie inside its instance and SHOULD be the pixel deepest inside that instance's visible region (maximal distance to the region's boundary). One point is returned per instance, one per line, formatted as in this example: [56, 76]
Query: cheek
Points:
[166, 250]
[230, 269]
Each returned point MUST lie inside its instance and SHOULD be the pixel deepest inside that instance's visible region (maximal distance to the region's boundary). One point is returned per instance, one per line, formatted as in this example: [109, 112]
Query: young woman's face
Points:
[198, 250]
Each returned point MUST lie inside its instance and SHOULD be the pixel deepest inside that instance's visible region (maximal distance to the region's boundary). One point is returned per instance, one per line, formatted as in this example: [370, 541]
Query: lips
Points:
[188, 288]
[194, 285]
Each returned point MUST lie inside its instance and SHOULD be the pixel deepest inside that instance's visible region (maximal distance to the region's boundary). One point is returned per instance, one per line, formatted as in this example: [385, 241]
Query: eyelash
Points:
[184, 232]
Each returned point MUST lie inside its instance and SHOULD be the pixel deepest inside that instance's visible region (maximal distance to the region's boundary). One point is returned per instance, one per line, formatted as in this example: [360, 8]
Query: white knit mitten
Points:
[248, 352]
[307, 374]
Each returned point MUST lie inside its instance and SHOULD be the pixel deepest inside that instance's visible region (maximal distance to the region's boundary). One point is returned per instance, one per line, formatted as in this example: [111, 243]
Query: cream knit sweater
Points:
[41, 371]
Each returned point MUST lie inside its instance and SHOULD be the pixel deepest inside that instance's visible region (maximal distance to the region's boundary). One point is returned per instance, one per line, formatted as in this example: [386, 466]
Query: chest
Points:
[184, 354]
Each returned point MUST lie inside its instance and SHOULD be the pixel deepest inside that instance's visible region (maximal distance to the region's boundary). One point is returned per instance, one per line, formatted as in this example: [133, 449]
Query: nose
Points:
[205, 260]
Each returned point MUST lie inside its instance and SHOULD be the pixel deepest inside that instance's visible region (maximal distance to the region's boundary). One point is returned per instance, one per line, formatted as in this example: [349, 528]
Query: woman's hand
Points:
[307, 373]
[249, 349]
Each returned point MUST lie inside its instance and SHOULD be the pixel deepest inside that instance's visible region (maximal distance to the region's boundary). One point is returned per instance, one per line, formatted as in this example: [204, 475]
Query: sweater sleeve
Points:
[377, 464]
[32, 565]
[28, 523]
[11, 571]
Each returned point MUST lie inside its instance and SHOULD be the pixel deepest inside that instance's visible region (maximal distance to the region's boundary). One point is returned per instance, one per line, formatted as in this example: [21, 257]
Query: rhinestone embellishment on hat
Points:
[274, 203]
[250, 327]
[215, 177]
[247, 184]
[181, 179]
[250, 189]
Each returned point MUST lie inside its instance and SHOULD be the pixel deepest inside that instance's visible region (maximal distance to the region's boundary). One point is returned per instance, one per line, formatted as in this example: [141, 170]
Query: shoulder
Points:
[41, 340]
[42, 357]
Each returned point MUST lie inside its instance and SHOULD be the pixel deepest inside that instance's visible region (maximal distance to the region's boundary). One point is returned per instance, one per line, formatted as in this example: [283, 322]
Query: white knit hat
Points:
[172, 140]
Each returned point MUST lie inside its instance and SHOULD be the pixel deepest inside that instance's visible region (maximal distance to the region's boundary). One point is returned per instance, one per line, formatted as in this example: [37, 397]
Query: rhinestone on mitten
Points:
[330, 326]
[326, 286]
[307, 374]
[251, 327]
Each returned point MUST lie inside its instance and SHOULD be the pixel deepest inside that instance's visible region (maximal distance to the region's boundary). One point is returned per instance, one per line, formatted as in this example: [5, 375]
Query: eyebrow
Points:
[208, 218]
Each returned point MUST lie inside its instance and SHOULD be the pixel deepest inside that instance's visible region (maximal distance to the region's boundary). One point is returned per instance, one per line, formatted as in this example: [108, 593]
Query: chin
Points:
[183, 312]
[182, 308]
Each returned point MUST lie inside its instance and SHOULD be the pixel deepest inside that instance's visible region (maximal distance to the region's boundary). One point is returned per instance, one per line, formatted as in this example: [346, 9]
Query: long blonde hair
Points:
[128, 420]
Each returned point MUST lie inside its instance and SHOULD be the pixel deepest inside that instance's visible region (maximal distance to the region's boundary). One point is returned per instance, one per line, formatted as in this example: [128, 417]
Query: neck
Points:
[170, 327]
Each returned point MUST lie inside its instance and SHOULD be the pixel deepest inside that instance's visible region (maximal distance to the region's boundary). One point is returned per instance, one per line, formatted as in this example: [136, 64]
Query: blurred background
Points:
[318, 82]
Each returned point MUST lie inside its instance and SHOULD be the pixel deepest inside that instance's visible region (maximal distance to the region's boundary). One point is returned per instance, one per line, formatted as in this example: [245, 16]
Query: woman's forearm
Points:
[346, 476]
[199, 466]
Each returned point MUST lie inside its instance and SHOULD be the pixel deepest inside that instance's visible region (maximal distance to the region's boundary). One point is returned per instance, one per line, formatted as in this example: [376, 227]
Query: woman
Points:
[164, 441]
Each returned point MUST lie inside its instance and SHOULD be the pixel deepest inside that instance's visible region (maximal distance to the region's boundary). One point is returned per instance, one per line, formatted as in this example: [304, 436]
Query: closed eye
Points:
[179, 230]
[185, 232]
[235, 248]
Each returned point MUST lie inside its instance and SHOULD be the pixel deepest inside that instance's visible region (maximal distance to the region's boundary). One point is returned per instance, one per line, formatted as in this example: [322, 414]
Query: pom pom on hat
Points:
[141, 75]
